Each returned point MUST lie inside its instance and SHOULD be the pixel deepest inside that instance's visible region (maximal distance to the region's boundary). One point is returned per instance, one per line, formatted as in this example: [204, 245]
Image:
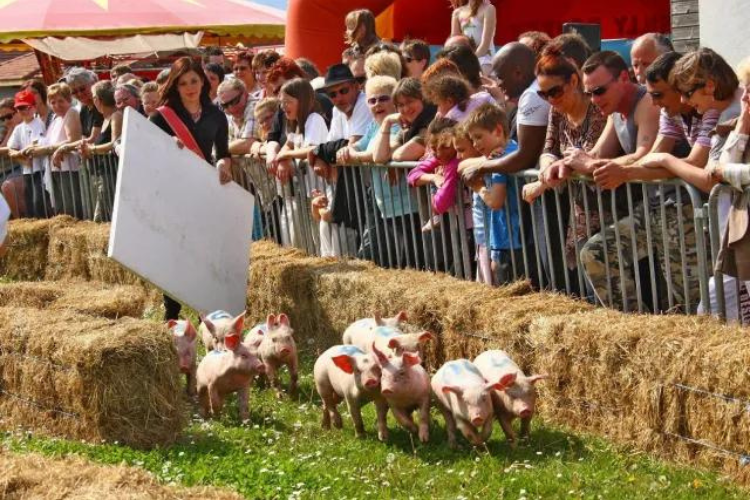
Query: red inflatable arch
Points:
[315, 28]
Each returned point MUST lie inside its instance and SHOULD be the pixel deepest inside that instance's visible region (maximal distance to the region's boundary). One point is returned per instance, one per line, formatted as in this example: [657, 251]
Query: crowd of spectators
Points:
[473, 117]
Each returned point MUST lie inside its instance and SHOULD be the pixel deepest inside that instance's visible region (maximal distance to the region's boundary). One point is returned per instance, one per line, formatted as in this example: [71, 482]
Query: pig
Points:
[222, 372]
[347, 373]
[518, 400]
[184, 337]
[216, 325]
[464, 398]
[386, 333]
[405, 386]
[277, 348]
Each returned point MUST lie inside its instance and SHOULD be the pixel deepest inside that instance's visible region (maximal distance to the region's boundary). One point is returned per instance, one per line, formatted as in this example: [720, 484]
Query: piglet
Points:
[360, 332]
[217, 325]
[518, 400]
[405, 385]
[383, 332]
[347, 373]
[222, 372]
[277, 348]
[464, 398]
[184, 337]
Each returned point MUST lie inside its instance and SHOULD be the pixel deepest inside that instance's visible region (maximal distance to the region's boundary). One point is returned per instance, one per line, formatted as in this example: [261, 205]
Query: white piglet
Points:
[346, 373]
[277, 348]
[518, 400]
[387, 335]
[184, 337]
[360, 332]
[464, 398]
[217, 325]
[222, 372]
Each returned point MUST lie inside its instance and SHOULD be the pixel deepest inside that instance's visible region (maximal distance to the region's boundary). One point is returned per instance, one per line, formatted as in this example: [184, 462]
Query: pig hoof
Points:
[383, 436]
[513, 445]
[424, 436]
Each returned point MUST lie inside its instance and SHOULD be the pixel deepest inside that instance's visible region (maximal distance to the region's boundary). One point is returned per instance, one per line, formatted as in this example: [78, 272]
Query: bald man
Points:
[646, 48]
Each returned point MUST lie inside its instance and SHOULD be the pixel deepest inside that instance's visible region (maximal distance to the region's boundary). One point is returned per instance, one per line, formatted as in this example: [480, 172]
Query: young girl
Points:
[476, 19]
[479, 210]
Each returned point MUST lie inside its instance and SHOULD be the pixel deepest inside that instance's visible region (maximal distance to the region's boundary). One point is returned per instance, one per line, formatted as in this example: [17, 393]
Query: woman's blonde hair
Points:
[383, 64]
[59, 89]
[743, 71]
[382, 83]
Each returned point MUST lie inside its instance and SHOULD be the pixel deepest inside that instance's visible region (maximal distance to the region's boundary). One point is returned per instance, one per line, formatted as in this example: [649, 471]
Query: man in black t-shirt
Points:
[80, 81]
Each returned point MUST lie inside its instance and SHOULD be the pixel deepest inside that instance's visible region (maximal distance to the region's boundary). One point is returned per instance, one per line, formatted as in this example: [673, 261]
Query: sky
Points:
[279, 4]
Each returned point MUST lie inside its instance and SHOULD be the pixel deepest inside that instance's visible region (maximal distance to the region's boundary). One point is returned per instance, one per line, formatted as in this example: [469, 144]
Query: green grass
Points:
[283, 453]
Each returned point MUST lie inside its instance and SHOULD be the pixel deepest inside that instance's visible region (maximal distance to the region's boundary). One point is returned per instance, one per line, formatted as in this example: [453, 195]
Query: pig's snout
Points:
[185, 368]
[387, 391]
[477, 421]
[284, 352]
[371, 383]
[261, 368]
[526, 413]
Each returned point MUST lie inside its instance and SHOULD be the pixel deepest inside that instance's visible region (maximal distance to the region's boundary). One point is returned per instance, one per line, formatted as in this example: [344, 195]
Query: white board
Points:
[175, 226]
[723, 25]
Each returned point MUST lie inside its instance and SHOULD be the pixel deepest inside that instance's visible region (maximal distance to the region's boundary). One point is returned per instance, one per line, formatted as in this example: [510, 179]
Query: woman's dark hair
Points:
[662, 67]
[216, 69]
[570, 45]
[265, 59]
[448, 87]
[38, 86]
[554, 63]
[467, 62]
[365, 18]
[300, 89]
[287, 69]
[408, 87]
[247, 56]
[440, 125]
[311, 71]
[182, 66]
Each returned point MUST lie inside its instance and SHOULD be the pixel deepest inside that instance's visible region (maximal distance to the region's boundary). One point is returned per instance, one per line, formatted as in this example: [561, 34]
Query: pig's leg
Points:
[469, 432]
[191, 383]
[336, 417]
[507, 424]
[272, 375]
[486, 430]
[294, 376]
[242, 402]
[450, 425]
[382, 410]
[354, 409]
[525, 428]
[405, 419]
[215, 400]
[203, 401]
[424, 420]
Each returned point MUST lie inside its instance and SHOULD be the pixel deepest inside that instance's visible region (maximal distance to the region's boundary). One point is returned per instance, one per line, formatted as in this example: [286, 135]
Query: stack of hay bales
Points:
[74, 375]
[28, 245]
[622, 375]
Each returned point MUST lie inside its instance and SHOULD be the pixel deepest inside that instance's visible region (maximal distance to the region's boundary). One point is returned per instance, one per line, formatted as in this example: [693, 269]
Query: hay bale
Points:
[33, 476]
[81, 377]
[28, 242]
[93, 299]
[618, 375]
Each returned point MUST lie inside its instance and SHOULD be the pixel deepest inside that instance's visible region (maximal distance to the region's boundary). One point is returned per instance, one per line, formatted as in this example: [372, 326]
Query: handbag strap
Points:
[180, 130]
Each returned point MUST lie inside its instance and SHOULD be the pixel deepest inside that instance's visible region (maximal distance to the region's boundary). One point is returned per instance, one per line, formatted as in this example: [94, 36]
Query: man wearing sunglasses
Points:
[240, 110]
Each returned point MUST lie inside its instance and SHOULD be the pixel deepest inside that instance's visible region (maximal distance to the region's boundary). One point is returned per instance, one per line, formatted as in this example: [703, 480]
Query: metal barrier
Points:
[649, 246]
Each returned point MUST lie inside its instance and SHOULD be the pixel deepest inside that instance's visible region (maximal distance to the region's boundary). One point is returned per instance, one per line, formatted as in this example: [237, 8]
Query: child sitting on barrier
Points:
[479, 210]
[488, 128]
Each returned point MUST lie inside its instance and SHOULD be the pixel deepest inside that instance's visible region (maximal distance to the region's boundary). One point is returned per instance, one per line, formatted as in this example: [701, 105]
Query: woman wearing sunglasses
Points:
[8, 121]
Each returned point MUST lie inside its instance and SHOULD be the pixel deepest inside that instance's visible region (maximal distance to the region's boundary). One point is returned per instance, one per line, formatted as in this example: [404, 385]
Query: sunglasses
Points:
[7, 117]
[343, 91]
[372, 101]
[598, 91]
[552, 93]
[693, 90]
[232, 102]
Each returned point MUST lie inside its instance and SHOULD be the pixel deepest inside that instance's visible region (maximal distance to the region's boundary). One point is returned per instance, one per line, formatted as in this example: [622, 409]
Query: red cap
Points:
[25, 98]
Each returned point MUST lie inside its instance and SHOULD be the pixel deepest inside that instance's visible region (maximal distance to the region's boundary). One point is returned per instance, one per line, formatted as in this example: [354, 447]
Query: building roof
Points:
[15, 70]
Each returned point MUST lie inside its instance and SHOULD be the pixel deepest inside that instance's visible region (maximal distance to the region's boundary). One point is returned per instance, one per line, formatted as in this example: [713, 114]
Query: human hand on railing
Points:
[471, 169]
[578, 159]
[655, 160]
[225, 170]
[610, 175]
[555, 174]
[84, 149]
[284, 170]
[319, 200]
[272, 163]
[57, 157]
[31, 151]
[255, 149]
[475, 184]
[532, 191]
[344, 156]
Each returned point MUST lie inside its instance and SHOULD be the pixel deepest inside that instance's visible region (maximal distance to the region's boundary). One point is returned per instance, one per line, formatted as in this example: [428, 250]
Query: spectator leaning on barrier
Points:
[39, 89]
[80, 81]
[243, 69]
[9, 119]
[646, 48]
[150, 98]
[127, 95]
[262, 64]
[234, 100]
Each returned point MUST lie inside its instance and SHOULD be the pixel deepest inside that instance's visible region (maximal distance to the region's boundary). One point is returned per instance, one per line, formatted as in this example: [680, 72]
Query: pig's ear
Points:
[411, 359]
[283, 319]
[171, 323]
[232, 341]
[190, 332]
[401, 317]
[211, 327]
[425, 337]
[239, 323]
[394, 343]
[536, 378]
[505, 381]
[378, 319]
[382, 358]
[452, 388]
[270, 321]
[344, 362]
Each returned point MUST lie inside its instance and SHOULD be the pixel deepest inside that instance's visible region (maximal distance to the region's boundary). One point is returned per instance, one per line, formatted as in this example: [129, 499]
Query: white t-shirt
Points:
[24, 135]
[315, 132]
[343, 127]
[532, 110]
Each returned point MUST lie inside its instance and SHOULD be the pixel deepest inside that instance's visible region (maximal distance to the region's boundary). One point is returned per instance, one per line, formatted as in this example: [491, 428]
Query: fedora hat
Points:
[338, 73]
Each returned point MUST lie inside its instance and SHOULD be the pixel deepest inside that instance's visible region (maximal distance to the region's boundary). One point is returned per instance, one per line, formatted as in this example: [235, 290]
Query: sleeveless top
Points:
[627, 132]
[473, 28]
[55, 135]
